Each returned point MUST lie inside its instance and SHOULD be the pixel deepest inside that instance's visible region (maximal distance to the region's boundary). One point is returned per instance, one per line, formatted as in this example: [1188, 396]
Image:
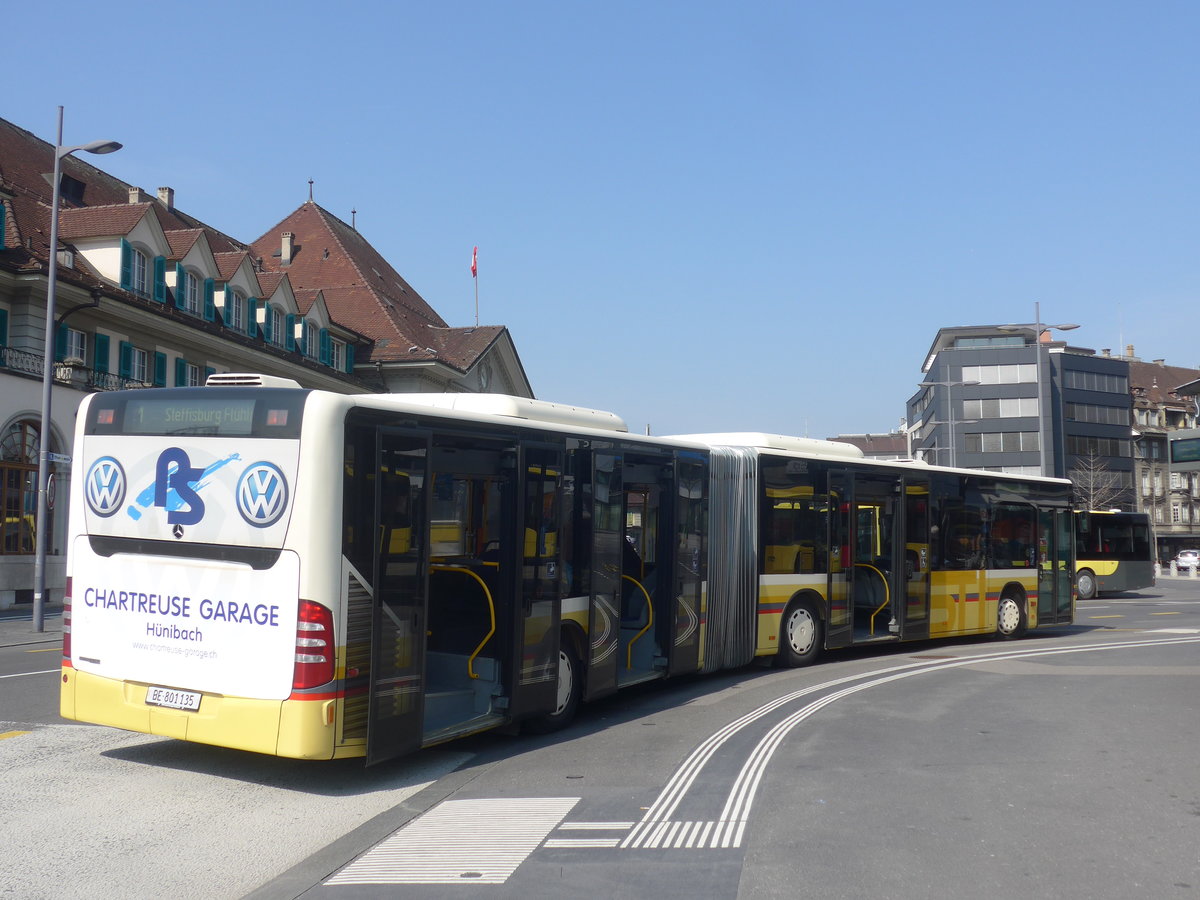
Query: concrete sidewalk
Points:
[16, 626]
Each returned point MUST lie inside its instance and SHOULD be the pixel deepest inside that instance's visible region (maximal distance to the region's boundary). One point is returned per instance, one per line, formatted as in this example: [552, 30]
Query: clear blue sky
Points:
[702, 216]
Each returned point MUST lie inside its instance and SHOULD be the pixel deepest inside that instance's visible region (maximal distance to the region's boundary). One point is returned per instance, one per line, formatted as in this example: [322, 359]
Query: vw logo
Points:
[262, 494]
[104, 486]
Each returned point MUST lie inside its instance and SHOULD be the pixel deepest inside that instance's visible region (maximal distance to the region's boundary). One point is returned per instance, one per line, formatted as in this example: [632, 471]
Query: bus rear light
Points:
[314, 647]
[66, 622]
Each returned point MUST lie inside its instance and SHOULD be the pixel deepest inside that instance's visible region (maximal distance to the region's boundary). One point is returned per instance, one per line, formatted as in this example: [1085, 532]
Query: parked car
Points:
[1187, 559]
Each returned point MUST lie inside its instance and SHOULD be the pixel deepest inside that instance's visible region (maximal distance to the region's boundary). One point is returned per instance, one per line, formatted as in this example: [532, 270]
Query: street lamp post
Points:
[948, 385]
[40, 538]
[1037, 327]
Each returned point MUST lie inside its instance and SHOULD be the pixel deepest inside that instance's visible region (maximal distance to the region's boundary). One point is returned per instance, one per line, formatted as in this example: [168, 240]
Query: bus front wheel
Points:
[1010, 617]
[1086, 583]
[799, 634]
[570, 689]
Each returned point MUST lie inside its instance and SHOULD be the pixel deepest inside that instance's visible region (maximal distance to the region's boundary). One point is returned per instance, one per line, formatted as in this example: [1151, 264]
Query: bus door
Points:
[648, 576]
[914, 621]
[604, 582]
[398, 615]
[839, 622]
[1055, 566]
[691, 557]
[875, 557]
[475, 557]
[540, 608]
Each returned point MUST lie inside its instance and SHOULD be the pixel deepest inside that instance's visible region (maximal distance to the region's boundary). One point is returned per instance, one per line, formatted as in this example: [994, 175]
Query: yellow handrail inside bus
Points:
[887, 593]
[491, 610]
[649, 620]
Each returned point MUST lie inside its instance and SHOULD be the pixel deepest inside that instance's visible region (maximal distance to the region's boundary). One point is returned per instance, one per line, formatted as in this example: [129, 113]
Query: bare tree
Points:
[1096, 485]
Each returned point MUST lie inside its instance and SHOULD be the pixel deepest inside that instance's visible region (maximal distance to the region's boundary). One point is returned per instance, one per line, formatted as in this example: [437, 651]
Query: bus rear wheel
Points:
[1085, 581]
[570, 689]
[800, 634]
[1010, 617]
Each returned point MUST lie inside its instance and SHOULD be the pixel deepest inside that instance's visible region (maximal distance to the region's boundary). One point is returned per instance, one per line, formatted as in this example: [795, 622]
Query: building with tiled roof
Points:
[413, 348]
[1160, 407]
[149, 295]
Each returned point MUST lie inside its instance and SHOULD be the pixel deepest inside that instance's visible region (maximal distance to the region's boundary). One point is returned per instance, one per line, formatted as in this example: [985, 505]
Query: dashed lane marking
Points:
[20, 674]
[12, 734]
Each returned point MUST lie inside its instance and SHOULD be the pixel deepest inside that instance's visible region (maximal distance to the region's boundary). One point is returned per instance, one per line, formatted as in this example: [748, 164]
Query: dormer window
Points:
[139, 281]
[308, 341]
[235, 310]
[273, 326]
[191, 293]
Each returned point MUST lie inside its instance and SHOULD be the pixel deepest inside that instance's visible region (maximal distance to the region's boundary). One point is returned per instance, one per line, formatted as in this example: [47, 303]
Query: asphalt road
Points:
[1057, 766]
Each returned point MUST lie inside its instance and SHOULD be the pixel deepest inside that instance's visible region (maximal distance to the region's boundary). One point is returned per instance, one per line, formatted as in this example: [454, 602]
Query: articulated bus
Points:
[1114, 551]
[318, 575]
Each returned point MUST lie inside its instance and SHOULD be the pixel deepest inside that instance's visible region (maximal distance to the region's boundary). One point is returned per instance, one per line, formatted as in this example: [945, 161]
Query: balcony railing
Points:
[73, 374]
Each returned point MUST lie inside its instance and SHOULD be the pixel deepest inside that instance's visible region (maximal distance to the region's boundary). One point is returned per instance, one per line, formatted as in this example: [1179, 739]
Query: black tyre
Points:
[1085, 581]
[801, 634]
[1011, 620]
[570, 690]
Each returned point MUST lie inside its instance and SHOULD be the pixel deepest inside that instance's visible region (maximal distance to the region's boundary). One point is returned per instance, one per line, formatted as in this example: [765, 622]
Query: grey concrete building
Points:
[996, 398]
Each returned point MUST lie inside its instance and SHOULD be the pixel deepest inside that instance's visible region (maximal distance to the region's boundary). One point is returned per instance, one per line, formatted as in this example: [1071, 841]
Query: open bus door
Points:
[398, 613]
[539, 612]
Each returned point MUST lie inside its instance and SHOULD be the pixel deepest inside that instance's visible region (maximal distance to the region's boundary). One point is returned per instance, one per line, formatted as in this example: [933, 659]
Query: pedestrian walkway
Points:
[16, 626]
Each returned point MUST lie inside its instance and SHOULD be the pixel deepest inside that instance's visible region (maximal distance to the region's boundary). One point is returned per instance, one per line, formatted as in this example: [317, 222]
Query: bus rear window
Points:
[211, 412]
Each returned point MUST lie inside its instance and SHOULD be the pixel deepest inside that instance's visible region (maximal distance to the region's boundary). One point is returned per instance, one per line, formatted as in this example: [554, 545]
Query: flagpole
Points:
[475, 276]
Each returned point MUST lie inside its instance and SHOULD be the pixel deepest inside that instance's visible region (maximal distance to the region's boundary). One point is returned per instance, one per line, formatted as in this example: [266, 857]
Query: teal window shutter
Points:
[3, 327]
[180, 372]
[100, 353]
[349, 359]
[289, 335]
[209, 371]
[180, 286]
[160, 279]
[210, 308]
[252, 317]
[326, 346]
[125, 361]
[160, 369]
[60, 343]
[126, 265]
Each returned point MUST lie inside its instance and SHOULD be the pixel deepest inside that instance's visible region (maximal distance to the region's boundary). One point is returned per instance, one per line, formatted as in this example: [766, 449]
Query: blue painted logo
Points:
[262, 494]
[175, 487]
[104, 486]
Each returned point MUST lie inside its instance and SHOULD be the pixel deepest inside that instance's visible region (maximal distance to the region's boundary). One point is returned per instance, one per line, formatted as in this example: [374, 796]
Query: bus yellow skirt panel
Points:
[286, 728]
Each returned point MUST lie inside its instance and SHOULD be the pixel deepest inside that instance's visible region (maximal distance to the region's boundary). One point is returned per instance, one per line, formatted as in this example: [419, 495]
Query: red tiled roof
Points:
[227, 263]
[100, 221]
[1158, 381]
[182, 241]
[364, 292]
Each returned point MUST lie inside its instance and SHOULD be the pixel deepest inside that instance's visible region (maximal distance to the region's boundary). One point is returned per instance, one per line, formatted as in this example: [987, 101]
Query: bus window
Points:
[1012, 536]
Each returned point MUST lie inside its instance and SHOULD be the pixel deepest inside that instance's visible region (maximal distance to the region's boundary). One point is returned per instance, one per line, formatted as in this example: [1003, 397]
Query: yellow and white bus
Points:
[1114, 552]
[319, 575]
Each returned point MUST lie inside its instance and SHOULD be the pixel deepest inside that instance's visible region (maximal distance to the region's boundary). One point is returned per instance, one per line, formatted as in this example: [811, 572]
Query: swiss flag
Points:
[475, 263]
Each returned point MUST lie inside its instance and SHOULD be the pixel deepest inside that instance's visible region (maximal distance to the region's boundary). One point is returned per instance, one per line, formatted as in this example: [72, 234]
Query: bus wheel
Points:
[570, 689]
[1010, 617]
[799, 634]
[1086, 583]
